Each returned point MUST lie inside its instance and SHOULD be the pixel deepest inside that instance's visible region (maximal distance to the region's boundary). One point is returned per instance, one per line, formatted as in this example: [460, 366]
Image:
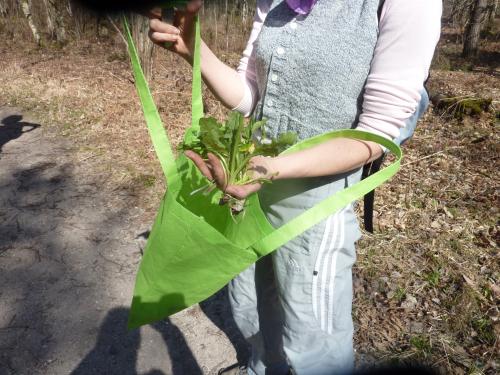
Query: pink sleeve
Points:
[246, 68]
[409, 32]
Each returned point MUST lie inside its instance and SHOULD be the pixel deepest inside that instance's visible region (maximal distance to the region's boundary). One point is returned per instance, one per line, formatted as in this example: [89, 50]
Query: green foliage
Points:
[235, 143]
[484, 328]
[400, 294]
[422, 344]
[433, 277]
[147, 180]
[459, 107]
[455, 245]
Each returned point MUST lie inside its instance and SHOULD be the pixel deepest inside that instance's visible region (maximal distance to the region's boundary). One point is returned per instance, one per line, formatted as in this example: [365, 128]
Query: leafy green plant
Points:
[484, 329]
[235, 143]
[147, 180]
[400, 294]
[421, 344]
[433, 277]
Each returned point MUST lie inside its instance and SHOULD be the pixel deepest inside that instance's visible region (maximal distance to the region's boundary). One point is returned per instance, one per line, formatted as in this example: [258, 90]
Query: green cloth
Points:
[195, 247]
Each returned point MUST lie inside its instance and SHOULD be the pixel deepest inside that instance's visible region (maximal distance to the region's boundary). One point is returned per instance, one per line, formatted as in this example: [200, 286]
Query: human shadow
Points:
[12, 128]
[181, 357]
[218, 310]
[116, 349]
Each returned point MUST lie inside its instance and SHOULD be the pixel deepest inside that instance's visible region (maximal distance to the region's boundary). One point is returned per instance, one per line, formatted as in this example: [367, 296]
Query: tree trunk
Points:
[55, 23]
[491, 13]
[227, 27]
[70, 8]
[216, 29]
[26, 7]
[473, 28]
[244, 11]
[4, 7]
[50, 17]
[140, 29]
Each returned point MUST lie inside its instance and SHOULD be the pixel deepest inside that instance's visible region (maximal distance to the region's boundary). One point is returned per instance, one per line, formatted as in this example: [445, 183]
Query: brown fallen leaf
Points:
[469, 281]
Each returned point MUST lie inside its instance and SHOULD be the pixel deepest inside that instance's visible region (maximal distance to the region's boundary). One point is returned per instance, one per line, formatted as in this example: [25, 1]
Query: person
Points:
[311, 66]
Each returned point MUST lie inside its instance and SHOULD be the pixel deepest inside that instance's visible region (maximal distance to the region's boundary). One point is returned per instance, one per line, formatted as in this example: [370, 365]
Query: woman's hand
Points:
[224, 81]
[260, 167]
[178, 37]
[332, 157]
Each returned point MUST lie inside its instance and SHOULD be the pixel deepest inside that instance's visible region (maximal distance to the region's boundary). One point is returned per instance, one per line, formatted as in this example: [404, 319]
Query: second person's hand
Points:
[179, 36]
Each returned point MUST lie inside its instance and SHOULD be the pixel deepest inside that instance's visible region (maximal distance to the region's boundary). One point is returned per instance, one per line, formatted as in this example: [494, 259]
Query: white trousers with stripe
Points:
[294, 306]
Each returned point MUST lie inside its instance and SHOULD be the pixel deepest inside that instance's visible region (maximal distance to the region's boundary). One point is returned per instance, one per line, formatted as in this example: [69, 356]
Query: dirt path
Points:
[68, 255]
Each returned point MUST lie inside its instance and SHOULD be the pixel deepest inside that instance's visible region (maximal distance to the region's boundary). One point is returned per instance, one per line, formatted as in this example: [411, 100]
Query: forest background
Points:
[426, 282]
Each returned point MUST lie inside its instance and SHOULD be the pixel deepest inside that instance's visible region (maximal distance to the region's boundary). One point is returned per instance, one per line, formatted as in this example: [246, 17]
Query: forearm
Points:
[329, 158]
[222, 80]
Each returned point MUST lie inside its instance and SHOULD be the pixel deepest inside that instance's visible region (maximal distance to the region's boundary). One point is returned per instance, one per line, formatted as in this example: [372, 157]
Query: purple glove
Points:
[301, 6]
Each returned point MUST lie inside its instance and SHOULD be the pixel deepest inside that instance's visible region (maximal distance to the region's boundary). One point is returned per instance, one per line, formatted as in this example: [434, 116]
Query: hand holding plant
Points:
[234, 157]
[259, 170]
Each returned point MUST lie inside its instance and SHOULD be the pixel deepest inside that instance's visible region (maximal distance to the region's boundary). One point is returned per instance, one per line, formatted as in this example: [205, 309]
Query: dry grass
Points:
[426, 281]
[429, 274]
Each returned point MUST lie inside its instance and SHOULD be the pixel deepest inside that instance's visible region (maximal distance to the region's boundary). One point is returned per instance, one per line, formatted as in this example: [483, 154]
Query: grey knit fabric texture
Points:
[311, 69]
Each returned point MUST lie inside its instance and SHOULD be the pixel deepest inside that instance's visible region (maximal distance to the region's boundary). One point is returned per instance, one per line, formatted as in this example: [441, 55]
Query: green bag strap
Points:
[335, 202]
[197, 96]
[157, 132]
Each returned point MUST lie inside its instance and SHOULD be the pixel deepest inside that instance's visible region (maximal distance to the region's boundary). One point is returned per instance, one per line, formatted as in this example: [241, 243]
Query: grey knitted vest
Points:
[311, 70]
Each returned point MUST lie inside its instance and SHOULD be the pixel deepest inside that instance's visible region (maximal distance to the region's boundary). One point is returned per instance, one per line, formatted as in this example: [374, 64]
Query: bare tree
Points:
[4, 8]
[26, 8]
[478, 12]
[244, 11]
[69, 8]
[55, 20]
[145, 48]
[227, 25]
[491, 14]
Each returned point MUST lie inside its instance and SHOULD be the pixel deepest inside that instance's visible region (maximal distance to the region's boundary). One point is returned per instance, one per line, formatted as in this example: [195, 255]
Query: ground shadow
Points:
[31, 264]
[181, 357]
[12, 128]
[218, 310]
[116, 349]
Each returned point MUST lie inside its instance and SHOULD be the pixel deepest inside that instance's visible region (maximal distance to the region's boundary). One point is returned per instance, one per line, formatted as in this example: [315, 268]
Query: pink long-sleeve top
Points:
[408, 34]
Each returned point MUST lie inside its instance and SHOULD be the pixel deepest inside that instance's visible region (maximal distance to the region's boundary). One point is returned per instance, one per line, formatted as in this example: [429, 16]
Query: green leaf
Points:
[211, 136]
[257, 125]
[286, 140]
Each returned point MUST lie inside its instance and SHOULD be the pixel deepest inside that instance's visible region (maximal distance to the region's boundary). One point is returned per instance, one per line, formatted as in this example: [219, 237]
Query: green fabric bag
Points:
[195, 247]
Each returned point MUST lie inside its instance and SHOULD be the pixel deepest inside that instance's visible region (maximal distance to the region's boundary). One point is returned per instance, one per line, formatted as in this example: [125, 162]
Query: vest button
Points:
[270, 102]
[280, 50]
[293, 25]
[274, 77]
